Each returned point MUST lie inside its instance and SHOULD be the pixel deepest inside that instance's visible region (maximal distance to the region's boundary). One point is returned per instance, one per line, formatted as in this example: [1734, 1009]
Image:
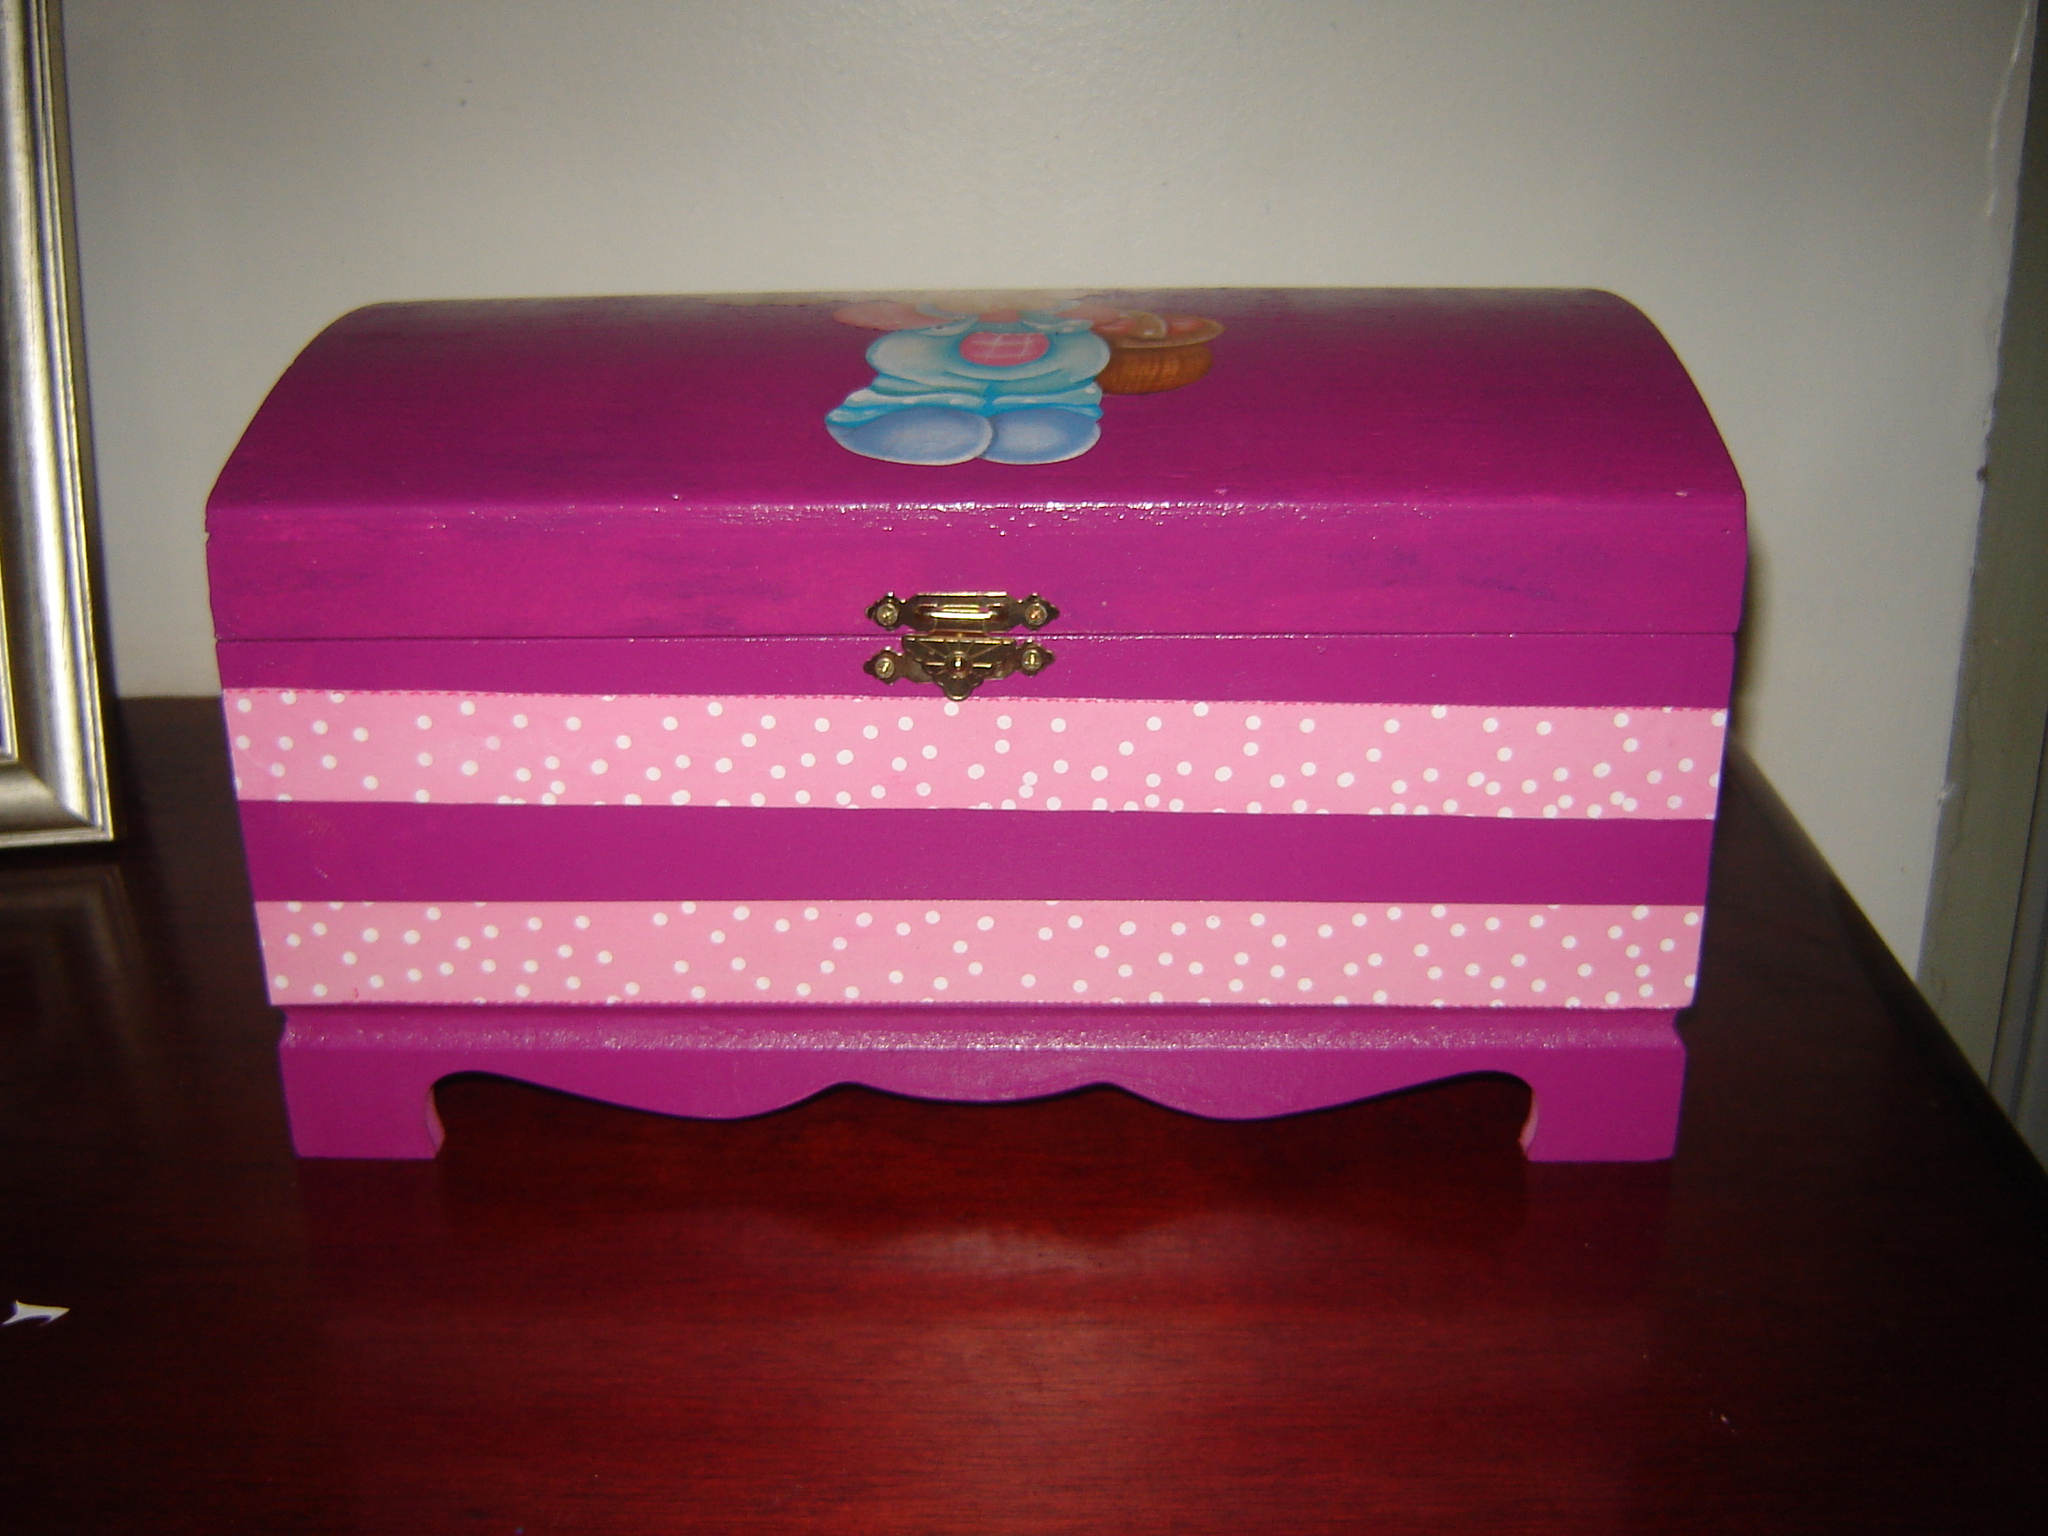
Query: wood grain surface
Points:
[1828, 1313]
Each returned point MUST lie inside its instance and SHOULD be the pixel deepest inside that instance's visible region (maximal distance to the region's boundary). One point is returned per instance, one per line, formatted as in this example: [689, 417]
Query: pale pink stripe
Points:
[841, 952]
[1015, 754]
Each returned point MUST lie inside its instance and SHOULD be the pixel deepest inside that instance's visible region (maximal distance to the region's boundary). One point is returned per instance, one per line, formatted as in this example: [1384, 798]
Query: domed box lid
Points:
[1346, 462]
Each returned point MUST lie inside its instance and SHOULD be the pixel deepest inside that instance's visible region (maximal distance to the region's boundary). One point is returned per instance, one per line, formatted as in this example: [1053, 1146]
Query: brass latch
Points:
[956, 646]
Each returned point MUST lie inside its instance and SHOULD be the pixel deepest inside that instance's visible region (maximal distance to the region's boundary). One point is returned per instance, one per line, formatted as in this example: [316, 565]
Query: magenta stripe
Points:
[1682, 671]
[304, 850]
[335, 572]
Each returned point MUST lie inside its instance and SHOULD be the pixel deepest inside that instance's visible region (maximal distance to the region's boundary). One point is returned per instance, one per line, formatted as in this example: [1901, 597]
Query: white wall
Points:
[1813, 199]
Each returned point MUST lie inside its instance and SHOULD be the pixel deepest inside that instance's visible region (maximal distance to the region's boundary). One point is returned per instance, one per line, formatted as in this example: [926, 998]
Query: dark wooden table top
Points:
[1829, 1313]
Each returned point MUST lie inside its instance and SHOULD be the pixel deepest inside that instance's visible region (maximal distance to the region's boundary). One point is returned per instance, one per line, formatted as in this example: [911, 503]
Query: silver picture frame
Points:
[53, 758]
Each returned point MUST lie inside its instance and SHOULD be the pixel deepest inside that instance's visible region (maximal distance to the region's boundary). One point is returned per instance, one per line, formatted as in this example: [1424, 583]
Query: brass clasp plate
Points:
[956, 646]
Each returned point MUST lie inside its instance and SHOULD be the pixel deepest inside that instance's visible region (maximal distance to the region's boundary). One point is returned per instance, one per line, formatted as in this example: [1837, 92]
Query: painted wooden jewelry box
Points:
[1259, 700]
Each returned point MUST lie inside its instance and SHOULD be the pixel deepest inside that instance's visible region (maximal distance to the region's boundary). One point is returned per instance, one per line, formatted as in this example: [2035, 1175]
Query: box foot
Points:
[1605, 1087]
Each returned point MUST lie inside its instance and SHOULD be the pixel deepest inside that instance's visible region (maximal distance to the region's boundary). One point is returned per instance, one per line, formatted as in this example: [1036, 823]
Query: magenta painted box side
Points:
[1601, 671]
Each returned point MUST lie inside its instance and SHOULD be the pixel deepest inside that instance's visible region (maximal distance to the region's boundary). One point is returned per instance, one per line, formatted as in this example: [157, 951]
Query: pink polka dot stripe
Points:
[1012, 754]
[980, 952]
